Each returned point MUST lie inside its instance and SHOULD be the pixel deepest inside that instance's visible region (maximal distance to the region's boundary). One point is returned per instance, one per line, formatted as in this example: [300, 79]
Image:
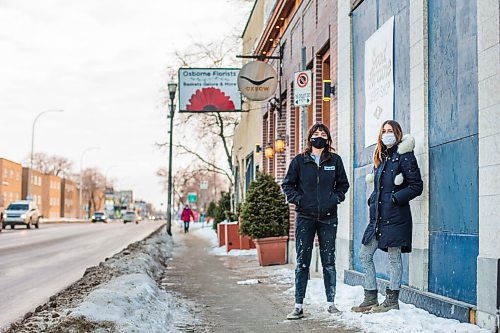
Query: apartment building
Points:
[51, 196]
[70, 199]
[10, 182]
[36, 185]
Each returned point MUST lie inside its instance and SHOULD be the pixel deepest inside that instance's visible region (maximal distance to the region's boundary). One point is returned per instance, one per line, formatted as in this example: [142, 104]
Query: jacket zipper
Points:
[317, 187]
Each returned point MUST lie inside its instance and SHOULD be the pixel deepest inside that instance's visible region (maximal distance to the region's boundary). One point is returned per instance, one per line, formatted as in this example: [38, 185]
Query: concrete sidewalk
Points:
[225, 306]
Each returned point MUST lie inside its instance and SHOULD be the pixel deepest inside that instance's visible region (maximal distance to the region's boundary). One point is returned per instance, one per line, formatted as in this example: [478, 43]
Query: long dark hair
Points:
[314, 128]
[398, 133]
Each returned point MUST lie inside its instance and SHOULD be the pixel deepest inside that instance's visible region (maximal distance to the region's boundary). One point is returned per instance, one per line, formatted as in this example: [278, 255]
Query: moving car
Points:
[99, 217]
[130, 216]
[22, 212]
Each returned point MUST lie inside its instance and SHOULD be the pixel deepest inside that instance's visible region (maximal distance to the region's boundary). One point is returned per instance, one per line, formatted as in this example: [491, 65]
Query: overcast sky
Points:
[104, 62]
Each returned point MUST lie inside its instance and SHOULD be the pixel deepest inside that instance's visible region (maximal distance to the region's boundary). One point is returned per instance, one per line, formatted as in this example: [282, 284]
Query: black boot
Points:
[369, 302]
[391, 301]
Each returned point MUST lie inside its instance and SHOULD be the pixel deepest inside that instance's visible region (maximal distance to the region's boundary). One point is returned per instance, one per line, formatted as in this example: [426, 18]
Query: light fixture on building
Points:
[258, 149]
[269, 152]
[328, 90]
[279, 144]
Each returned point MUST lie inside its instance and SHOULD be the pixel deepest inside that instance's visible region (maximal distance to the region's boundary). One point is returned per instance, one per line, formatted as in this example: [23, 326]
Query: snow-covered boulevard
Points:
[188, 284]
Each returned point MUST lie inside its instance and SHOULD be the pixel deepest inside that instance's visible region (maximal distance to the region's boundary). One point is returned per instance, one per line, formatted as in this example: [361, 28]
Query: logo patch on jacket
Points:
[329, 168]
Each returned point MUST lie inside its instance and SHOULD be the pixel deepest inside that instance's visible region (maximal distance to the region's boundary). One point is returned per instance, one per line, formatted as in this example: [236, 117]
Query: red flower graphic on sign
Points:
[210, 99]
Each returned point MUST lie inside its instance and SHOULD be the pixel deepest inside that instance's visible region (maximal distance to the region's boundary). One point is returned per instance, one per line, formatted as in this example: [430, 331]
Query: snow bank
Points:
[134, 301]
[135, 304]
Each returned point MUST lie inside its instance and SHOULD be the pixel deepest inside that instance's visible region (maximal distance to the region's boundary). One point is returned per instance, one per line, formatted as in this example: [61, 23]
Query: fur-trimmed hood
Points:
[406, 145]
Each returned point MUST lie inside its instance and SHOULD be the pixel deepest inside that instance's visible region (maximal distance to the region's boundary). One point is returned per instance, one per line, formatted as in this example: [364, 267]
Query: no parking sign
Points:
[302, 88]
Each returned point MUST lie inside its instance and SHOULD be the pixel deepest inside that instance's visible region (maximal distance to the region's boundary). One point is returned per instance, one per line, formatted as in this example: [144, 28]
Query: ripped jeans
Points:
[395, 268]
[305, 230]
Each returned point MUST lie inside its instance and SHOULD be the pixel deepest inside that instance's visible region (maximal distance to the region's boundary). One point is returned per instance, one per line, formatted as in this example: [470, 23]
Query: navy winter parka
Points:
[316, 190]
[396, 181]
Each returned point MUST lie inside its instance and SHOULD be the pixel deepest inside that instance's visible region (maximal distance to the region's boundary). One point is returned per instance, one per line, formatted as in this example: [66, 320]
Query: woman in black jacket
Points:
[397, 180]
[316, 183]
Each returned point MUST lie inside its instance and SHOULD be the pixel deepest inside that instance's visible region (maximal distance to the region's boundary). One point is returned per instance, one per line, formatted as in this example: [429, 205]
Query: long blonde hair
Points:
[398, 133]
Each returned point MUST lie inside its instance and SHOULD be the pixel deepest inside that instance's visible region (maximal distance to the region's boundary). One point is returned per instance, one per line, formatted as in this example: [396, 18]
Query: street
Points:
[35, 264]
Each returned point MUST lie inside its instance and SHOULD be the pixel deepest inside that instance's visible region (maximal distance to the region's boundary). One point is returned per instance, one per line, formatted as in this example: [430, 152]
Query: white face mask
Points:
[388, 139]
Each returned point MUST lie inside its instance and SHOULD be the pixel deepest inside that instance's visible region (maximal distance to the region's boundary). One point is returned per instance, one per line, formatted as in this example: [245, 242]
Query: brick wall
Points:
[313, 27]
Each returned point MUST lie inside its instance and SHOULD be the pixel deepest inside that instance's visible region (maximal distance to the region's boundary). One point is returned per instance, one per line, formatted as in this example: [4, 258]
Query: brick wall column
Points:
[271, 130]
[280, 158]
[290, 151]
[264, 143]
[318, 89]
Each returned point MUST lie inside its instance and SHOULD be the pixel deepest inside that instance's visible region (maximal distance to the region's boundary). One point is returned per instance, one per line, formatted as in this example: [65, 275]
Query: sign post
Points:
[302, 95]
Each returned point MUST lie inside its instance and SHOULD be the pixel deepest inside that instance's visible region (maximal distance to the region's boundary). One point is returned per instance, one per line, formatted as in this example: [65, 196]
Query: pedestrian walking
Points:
[186, 216]
[397, 180]
[315, 183]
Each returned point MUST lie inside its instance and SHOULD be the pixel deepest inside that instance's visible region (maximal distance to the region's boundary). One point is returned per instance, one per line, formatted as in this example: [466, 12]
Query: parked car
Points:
[22, 212]
[99, 217]
[130, 216]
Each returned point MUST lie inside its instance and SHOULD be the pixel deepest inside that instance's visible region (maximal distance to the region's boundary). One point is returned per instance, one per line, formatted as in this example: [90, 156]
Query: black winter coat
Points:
[397, 180]
[316, 190]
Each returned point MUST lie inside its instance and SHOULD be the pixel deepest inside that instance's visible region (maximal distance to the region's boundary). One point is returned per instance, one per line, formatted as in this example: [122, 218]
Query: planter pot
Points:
[271, 250]
[232, 236]
[221, 233]
[246, 243]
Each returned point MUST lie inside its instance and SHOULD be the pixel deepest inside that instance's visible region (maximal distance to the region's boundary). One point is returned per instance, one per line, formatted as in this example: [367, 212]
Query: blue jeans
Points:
[395, 268]
[305, 230]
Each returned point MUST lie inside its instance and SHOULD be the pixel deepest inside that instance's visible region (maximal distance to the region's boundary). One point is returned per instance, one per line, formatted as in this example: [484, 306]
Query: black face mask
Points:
[318, 142]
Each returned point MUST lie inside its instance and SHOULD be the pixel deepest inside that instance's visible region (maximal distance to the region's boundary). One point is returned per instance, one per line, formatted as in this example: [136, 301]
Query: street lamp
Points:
[81, 177]
[30, 185]
[172, 88]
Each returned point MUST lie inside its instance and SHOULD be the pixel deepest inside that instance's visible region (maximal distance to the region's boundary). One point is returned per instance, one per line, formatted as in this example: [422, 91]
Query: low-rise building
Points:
[70, 198]
[36, 185]
[51, 196]
[10, 182]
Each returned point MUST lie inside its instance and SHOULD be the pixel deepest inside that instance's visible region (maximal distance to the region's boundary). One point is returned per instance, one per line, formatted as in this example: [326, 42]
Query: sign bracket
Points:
[275, 102]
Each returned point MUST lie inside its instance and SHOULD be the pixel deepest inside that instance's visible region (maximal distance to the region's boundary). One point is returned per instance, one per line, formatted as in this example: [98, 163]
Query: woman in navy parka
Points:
[397, 180]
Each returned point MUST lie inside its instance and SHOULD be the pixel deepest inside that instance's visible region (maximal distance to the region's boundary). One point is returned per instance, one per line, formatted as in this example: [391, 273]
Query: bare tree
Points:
[52, 165]
[189, 179]
[93, 189]
[206, 135]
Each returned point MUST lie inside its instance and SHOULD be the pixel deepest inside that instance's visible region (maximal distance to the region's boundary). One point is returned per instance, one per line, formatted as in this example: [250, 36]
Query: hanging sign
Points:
[379, 80]
[302, 94]
[209, 90]
[257, 80]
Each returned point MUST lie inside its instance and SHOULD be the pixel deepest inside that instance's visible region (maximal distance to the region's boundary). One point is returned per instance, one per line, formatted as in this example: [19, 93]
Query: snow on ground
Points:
[134, 301]
[135, 304]
[247, 282]
[208, 233]
[408, 319]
